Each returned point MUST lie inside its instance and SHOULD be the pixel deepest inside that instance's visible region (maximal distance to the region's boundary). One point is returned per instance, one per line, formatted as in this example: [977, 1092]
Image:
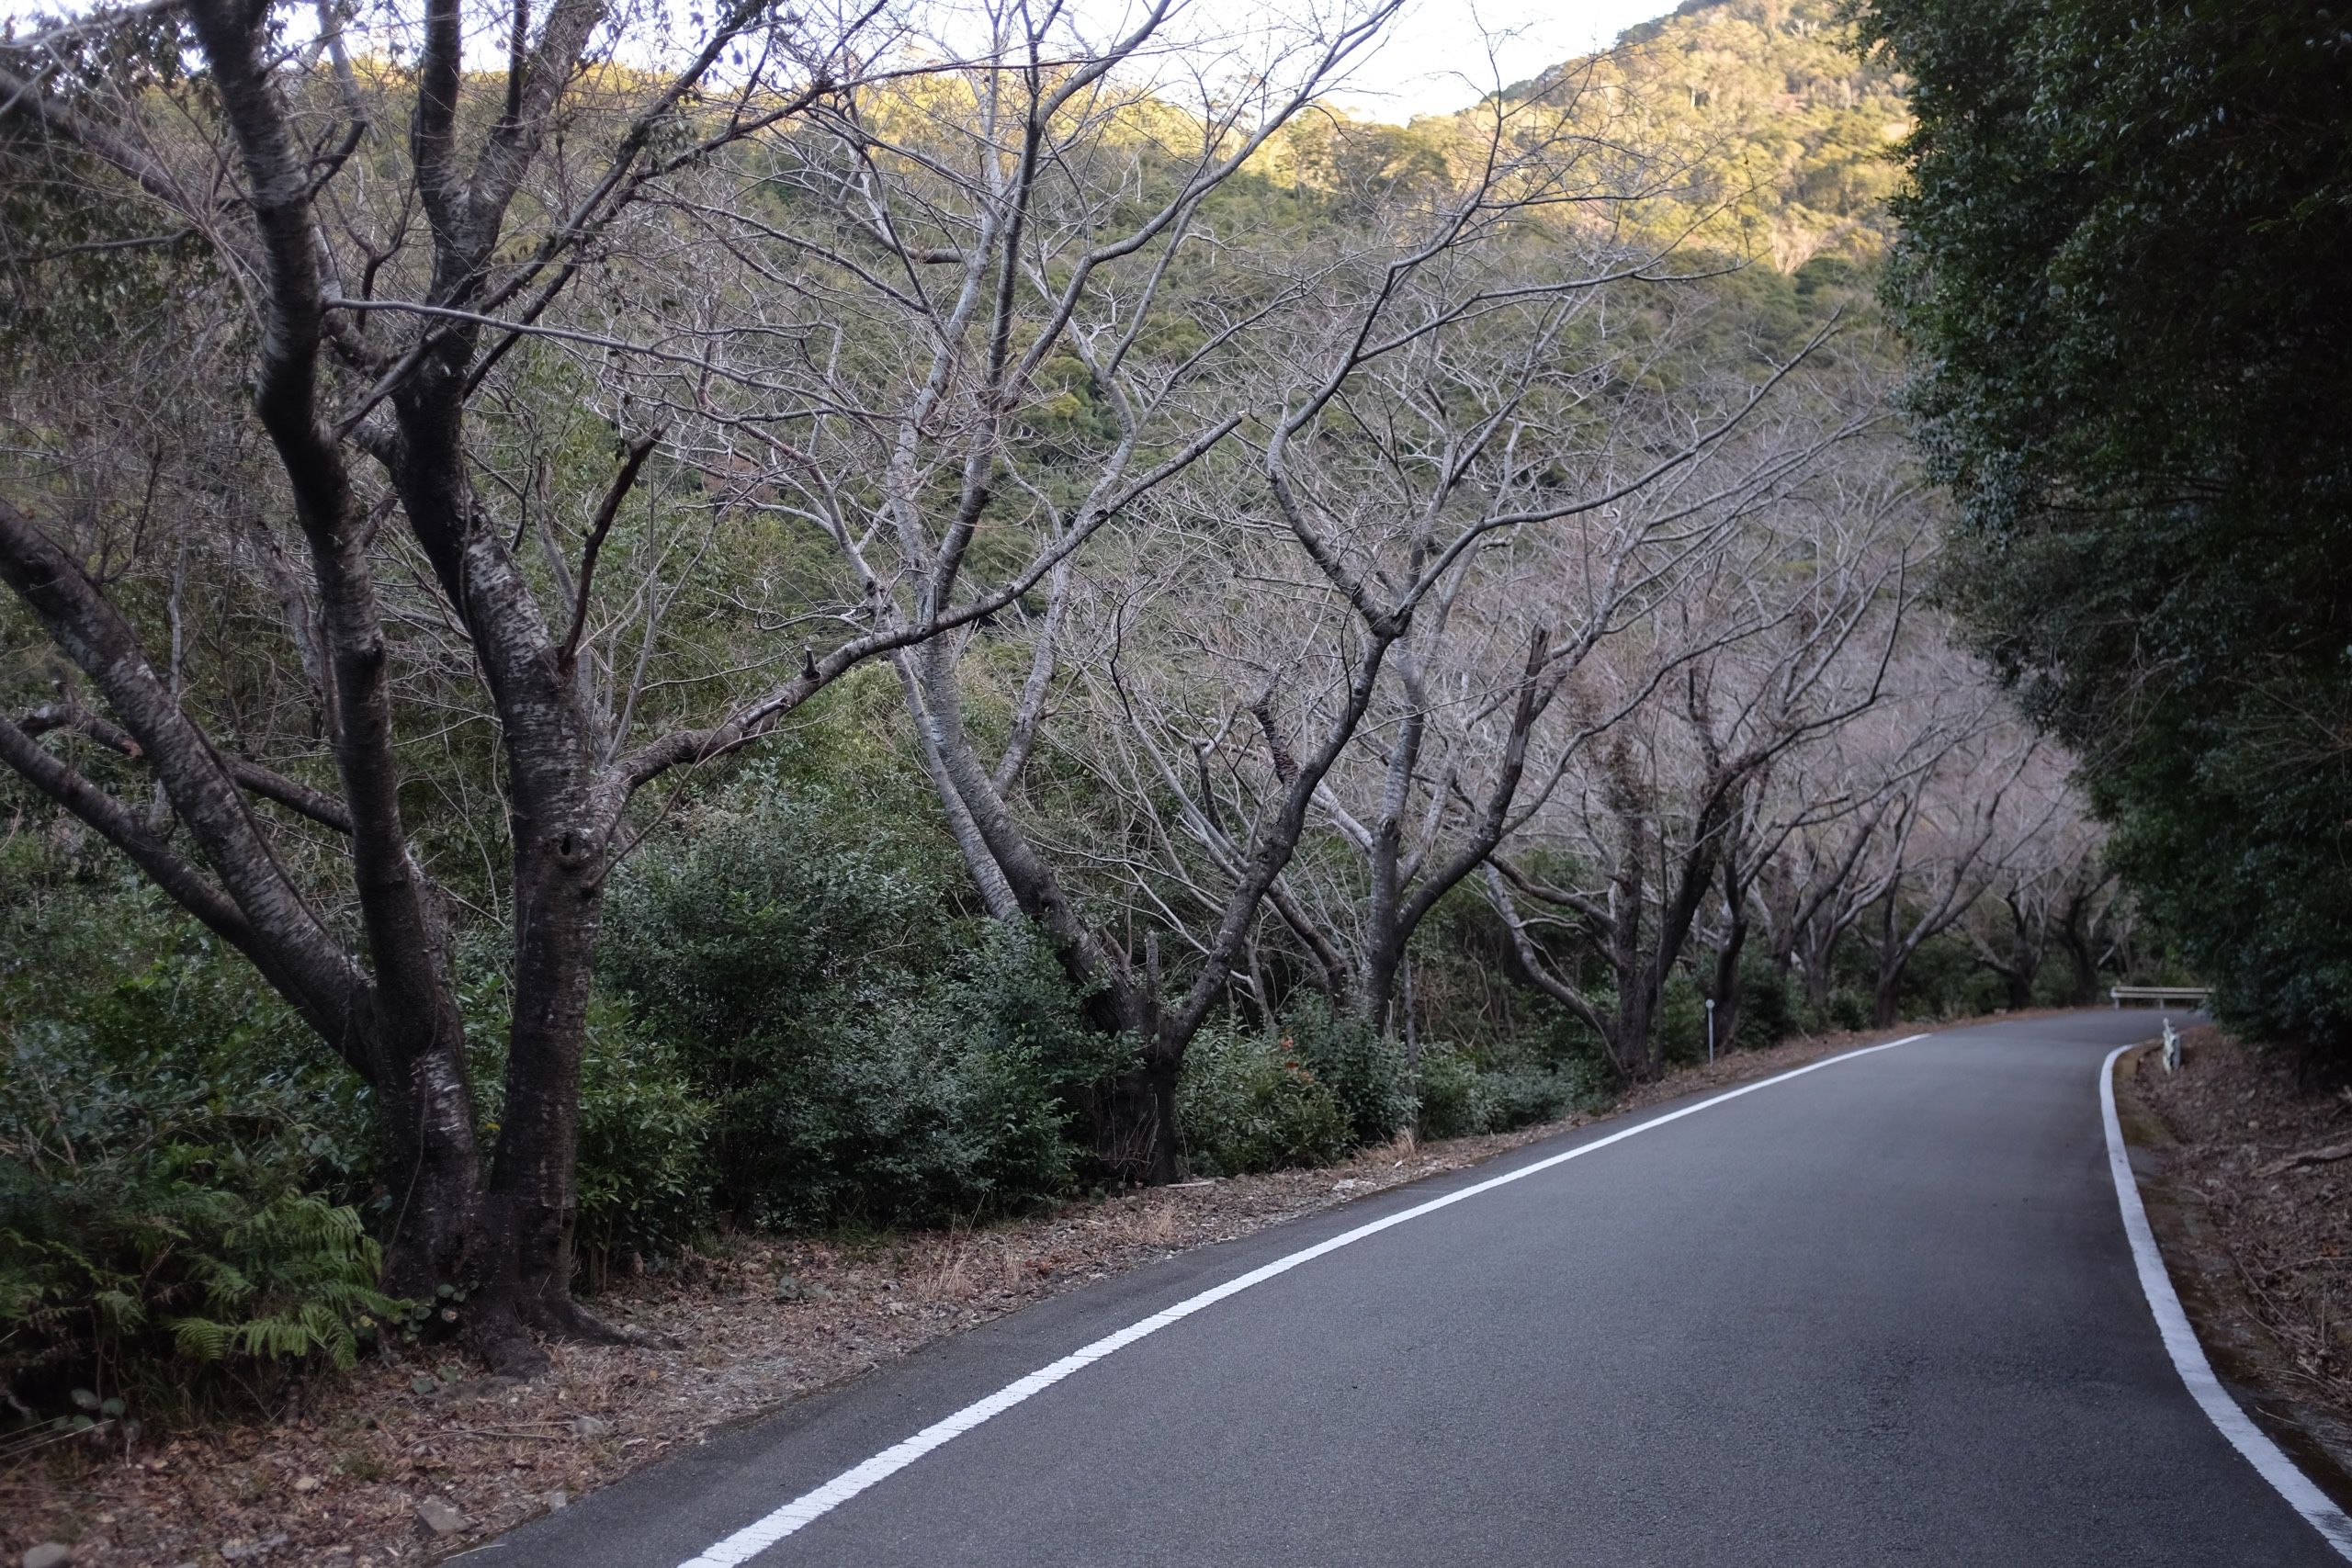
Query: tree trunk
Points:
[1412, 1035]
[1727, 986]
[432, 1169]
[533, 1197]
[561, 814]
[1135, 1129]
[2025, 958]
[1819, 958]
[996, 893]
[1886, 996]
[2086, 967]
[1636, 1047]
[1893, 952]
[1375, 997]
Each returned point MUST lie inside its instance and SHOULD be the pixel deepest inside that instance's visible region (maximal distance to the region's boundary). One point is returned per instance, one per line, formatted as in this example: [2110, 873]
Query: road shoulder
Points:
[2234, 1232]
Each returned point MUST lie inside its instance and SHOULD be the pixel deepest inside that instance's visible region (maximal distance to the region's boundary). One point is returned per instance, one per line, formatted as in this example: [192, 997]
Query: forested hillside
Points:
[769, 631]
[1764, 134]
[1785, 126]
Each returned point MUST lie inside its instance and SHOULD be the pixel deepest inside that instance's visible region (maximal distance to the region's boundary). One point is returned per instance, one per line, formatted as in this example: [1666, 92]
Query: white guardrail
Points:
[2161, 995]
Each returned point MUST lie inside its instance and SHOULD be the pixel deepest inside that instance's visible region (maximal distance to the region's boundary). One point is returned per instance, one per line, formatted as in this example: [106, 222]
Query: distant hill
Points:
[1779, 120]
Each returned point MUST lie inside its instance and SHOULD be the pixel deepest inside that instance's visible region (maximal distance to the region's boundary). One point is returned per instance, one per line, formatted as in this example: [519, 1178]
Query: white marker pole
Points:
[1710, 1032]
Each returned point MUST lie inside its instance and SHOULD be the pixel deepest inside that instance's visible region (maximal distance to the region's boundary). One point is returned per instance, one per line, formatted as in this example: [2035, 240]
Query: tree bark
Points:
[2085, 967]
[2077, 933]
[1137, 1133]
[1727, 991]
[1893, 954]
[432, 1168]
[1820, 955]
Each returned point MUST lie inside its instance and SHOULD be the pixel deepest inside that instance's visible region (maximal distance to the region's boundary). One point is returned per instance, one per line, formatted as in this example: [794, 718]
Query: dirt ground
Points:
[2253, 1206]
[412, 1457]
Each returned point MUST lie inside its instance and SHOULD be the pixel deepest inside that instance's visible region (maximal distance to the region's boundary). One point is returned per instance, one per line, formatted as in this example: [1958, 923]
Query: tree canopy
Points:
[2122, 263]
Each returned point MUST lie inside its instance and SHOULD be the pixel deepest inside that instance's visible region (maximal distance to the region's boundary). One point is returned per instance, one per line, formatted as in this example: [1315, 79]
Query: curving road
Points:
[1882, 1313]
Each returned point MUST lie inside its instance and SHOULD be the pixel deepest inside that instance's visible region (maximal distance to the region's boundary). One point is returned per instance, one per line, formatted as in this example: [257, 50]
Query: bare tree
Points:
[1487, 424]
[2092, 924]
[1001, 331]
[1810, 893]
[1953, 832]
[1403, 397]
[2050, 882]
[381, 295]
[1804, 859]
[1672, 791]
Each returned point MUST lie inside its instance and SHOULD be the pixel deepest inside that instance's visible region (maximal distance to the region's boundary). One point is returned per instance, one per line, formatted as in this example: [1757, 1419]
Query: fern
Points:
[125, 1313]
[167, 1231]
[293, 1278]
[200, 1338]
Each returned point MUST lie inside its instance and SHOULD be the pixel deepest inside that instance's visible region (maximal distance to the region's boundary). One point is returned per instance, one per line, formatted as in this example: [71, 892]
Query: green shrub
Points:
[1364, 1070]
[1524, 1097]
[751, 946]
[733, 938]
[901, 1120]
[1944, 979]
[280, 1279]
[1767, 1005]
[114, 979]
[1566, 1036]
[1848, 1008]
[872, 1052]
[644, 1135]
[951, 1098]
[171, 1177]
[1245, 1102]
[1456, 1100]
[131, 1275]
[1459, 1098]
[1681, 1022]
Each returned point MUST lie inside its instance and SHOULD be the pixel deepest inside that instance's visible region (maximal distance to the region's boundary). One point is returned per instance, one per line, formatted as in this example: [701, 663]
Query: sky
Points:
[1433, 57]
[1436, 56]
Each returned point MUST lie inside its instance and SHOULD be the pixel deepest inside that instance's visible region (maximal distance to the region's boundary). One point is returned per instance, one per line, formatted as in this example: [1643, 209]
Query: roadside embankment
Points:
[2249, 1190]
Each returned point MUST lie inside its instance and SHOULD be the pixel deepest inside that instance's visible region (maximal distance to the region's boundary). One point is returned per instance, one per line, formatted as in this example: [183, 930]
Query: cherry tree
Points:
[420, 241]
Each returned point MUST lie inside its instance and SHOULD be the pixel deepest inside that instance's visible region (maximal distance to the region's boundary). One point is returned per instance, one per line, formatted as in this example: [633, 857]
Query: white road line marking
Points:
[809, 1506]
[2189, 1357]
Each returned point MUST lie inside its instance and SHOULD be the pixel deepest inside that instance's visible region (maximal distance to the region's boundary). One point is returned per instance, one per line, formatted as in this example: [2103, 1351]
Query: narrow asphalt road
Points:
[1883, 1312]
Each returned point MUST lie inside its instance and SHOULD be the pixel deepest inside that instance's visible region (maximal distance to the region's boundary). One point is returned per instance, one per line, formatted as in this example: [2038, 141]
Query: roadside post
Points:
[1710, 1032]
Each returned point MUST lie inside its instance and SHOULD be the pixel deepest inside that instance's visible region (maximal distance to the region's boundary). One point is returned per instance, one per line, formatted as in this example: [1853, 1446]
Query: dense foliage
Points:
[870, 1050]
[177, 1179]
[2122, 262]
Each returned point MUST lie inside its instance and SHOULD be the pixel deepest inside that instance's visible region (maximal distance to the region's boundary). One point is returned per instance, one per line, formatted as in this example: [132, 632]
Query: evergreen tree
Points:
[2122, 264]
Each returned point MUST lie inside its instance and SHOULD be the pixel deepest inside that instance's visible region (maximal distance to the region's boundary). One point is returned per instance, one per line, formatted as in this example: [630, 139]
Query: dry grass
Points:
[338, 1477]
